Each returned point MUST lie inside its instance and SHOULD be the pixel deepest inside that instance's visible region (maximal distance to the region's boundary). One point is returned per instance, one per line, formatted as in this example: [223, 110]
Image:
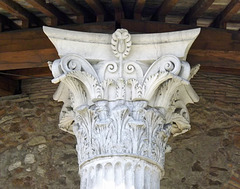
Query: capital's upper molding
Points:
[145, 47]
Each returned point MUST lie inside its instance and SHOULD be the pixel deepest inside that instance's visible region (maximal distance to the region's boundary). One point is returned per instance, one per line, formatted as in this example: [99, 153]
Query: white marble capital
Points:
[124, 95]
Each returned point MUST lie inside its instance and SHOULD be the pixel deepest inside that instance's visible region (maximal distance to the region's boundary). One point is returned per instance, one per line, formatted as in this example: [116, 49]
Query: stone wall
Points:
[34, 153]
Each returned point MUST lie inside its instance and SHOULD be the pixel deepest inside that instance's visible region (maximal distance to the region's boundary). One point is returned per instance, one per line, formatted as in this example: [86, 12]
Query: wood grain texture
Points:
[164, 9]
[15, 9]
[139, 5]
[31, 48]
[221, 20]
[80, 13]
[51, 11]
[19, 74]
[98, 9]
[214, 48]
[196, 11]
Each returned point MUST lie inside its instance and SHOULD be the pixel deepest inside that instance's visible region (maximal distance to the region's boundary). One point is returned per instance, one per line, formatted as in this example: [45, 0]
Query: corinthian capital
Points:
[123, 94]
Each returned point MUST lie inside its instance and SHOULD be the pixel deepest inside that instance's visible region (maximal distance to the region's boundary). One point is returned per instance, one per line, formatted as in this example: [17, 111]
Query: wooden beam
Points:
[209, 38]
[76, 9]
[18, 11]
[97, 8]
[214, 48]
[215, 59]
[118, 9]
[51, 11]
[164, 9]
[8, 86]
[5, 21]
[220, 70]
[139, 5]
[31, 48]
[20, 74]
[26, 59]
[232, 8]
[196, 11]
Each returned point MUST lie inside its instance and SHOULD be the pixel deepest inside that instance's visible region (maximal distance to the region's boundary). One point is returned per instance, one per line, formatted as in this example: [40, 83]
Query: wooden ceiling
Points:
[25, 50]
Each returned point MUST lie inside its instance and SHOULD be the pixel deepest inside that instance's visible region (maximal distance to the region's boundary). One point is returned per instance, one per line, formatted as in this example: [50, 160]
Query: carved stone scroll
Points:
[124, 95]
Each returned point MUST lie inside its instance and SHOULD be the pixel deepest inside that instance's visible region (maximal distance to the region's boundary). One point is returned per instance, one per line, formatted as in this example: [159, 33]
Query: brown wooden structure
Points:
[25, 50]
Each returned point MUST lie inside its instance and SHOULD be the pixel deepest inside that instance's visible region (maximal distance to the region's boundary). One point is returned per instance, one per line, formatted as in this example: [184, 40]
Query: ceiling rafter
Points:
[18, 11]
[118, 9]
[80, 13]
[139, 6]
[51, 11]
[196, 11]
[163, 10]
[98, 9]
[232, 8]
[5, 21]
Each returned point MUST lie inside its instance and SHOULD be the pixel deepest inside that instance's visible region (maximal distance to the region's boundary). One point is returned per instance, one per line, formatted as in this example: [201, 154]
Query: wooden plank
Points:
[98, 9]
[196, 11]
[139, 5]
[8, 86]
[119, 13]
[51, 11]
[18, 11]
[164, 9]
[221, 20]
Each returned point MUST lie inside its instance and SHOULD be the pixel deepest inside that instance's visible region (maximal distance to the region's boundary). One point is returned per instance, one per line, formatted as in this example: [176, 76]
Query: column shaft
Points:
[119, 172]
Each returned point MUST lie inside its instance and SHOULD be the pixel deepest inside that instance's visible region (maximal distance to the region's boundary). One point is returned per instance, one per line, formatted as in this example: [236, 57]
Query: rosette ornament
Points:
[124, 95]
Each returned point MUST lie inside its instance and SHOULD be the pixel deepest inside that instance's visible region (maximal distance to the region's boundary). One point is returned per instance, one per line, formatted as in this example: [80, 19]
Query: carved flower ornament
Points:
[121, 43]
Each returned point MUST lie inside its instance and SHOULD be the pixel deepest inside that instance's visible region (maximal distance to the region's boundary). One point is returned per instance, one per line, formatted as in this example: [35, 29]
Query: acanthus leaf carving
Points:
[167, 63]
[193, 71]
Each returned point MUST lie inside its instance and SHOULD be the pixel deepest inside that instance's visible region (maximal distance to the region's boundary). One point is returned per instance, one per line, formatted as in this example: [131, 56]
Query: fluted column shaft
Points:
[119, 172]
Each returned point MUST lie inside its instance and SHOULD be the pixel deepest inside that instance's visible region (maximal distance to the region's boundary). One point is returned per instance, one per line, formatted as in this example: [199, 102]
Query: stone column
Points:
[124, 95]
